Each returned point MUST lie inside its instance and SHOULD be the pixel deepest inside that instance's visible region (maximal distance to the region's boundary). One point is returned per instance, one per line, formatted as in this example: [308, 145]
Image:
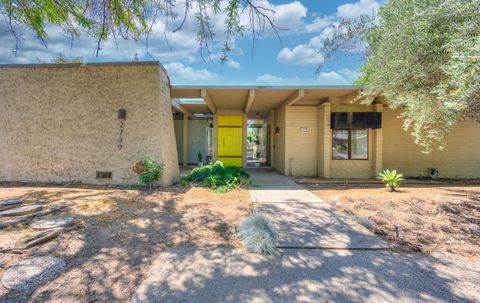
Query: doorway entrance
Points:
[230, 140]
[258, 147]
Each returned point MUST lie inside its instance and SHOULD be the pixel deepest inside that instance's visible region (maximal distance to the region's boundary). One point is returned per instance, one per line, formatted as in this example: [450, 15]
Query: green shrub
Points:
[217, 177]
[148, 171]
[391, 179]
[258, 234]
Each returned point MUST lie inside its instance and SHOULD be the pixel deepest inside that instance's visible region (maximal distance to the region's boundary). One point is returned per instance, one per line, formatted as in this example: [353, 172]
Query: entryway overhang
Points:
[255, 100]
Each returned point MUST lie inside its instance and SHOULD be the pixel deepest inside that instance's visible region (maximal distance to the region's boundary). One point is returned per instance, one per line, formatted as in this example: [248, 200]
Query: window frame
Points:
[349, 140]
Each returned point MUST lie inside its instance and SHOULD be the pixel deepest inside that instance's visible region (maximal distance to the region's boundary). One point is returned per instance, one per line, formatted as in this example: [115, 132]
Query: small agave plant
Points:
[258, 234]
[391, 179]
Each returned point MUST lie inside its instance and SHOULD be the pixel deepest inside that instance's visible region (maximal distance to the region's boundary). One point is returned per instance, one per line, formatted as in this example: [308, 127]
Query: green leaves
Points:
[391, 179]
[423, 56]
[150, 171]
[218, 177]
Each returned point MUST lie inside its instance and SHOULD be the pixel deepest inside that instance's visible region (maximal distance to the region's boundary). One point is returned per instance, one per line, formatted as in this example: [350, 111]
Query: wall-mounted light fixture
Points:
[122, 114]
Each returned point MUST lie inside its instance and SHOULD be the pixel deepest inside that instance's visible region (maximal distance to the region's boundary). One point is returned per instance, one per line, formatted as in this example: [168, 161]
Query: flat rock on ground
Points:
[7, 204]
[52, 222]
[29, 273]
[20, 211]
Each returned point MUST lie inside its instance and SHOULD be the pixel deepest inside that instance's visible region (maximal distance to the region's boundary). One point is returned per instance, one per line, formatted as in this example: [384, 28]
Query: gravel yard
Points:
[430, 217]
[116, 235]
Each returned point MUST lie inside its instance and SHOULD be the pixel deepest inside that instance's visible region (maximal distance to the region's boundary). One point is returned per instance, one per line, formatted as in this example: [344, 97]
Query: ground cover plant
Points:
[258, 234]
[218, 177]
[391, 179]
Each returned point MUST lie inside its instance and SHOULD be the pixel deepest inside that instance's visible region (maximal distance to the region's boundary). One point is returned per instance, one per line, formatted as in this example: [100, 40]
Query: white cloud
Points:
[180, 72]
[289, 16]
[233, 64]
[362, 7]
[339, 77]
[300, 55]
[343, 76]
[327, 26]
[318, 24]
[269, 79]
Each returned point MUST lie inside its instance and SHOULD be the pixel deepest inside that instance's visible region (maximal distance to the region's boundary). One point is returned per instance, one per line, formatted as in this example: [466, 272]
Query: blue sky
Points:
[306, 23]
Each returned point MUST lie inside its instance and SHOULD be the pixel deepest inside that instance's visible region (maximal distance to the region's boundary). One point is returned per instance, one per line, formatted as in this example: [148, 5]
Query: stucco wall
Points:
[59, 122]
[301, 140]
[460, 158]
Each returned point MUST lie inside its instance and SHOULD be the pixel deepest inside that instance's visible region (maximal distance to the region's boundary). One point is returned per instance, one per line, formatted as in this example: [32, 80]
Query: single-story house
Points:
[90, 122]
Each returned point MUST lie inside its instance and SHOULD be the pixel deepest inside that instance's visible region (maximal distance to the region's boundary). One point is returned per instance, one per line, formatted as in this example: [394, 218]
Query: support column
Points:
[272, 138]
[185, 141]
[324, 140]
[378, 165]
[244, 140]
[215, 138]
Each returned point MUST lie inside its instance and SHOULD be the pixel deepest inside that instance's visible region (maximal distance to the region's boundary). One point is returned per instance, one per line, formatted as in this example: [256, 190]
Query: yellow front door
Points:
[230, 140]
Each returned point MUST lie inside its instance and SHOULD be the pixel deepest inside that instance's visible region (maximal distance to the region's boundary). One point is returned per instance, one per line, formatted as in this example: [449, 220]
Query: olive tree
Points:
[423, 56]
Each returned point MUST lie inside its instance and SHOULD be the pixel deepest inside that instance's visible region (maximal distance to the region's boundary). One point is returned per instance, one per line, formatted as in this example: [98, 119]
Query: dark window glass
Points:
[350, 144]
[340, 144]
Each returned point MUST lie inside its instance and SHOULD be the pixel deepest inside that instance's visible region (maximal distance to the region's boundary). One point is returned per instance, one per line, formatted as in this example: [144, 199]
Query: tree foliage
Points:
[134, 19]
[423, 56]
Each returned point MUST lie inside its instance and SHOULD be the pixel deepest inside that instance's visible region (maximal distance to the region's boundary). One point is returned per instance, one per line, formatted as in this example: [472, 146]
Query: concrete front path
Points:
[194, 274]
[303, 219]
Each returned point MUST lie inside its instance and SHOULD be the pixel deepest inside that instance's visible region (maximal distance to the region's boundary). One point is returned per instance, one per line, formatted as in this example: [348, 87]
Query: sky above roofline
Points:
[291, 61]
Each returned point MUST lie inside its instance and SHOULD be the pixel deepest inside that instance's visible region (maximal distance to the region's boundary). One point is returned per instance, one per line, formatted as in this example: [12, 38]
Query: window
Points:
[350, 144]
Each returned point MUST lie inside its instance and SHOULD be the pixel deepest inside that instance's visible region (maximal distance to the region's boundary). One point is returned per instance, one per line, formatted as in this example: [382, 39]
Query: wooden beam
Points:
[182, 109]
[249, 102]
[209, 101]
[294, 98]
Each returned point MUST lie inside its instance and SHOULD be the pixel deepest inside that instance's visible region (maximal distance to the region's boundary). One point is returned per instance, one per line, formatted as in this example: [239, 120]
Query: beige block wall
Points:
[279, 141]
[301, 146]
[460, 158]
[59, 122]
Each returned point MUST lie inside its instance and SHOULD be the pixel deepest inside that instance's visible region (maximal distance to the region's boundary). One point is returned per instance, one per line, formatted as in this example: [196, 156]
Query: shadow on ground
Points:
[226, 275]
[118, 234]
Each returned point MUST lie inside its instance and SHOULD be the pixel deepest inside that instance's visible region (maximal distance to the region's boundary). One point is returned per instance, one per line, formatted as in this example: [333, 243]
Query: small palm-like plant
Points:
[391, 179]
[258, 234]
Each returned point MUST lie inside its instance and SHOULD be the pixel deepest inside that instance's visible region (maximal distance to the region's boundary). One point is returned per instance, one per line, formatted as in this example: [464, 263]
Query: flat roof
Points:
[347, 87]
[47, 65]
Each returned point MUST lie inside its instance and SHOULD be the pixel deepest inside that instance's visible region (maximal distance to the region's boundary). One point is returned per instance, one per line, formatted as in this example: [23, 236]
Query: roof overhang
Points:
[257, 99]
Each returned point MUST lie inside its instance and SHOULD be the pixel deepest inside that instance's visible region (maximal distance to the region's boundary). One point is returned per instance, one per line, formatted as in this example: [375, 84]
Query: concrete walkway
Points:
[303, 219]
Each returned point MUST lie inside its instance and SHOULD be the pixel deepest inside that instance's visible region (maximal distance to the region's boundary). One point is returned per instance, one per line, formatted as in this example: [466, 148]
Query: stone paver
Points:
[52, 222]
[193, 274]
[303, 219]
[29, 273]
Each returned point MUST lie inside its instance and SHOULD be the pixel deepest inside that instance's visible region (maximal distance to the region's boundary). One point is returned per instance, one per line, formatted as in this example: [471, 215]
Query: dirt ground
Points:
[429, 217]
[118, 232]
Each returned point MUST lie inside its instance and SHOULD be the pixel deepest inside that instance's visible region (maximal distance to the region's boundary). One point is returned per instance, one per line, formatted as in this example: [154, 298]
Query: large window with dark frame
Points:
[350, 144]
